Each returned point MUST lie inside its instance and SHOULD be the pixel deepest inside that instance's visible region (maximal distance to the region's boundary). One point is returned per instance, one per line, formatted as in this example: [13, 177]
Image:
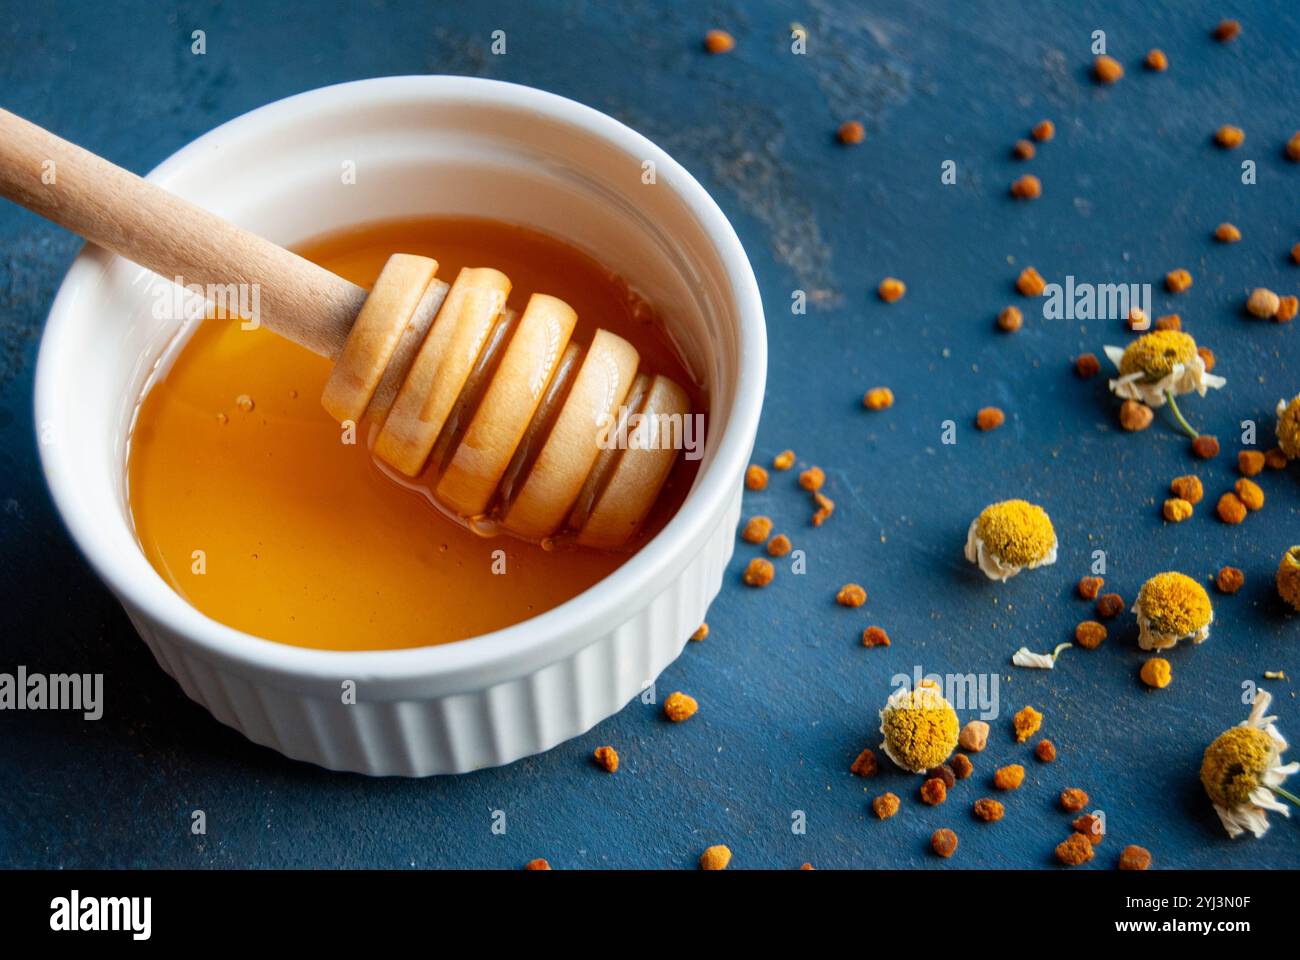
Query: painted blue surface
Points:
[1132, 188]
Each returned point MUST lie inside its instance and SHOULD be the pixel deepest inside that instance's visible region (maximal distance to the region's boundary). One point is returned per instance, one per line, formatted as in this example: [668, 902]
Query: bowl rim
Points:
[508, 652]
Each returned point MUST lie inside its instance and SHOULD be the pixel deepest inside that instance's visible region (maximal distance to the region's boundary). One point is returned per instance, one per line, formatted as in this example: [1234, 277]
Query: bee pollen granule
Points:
[851, 595]
[1231, 509]
[1134, 857]
[1135, 415]
[891, 289]
[1176, 510]
[759, 573]
[1045, 751]
[1262, 303]
[1087, 365]
[851, 132]
[944, 842]
[1157, 673]
[1110, 605]
[700, 633]
[1031, 283]
[1045, 130]
[1090, 634]
[812, 479]
[961, 766]
[878, 398]
[1089, 587]
[1249, 493]
[885, 805]
[1227, 30]
[989, 810]
[1073, 799]
[779, 545]
[716, 857]
[1205, 447]
[933, 792]
[1107, 69]
[1227, 233]
[1250, 463]
[1229, 137]
[866, 765]
[757, 529]
[1187, 488]
[607, 759]
[990, 418]
[680, 706]
[1229, 580]
[538, 864]
[755, 477]
[974, 736]
[1026, 723]
[1176, 281]
[1027, 187]
[1009, 777]
[783, 460]
[1157, 61]
[875, 637]
[719, 41]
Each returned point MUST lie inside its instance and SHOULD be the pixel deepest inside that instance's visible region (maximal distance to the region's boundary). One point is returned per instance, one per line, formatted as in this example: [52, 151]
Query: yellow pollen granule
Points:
[1157, 673]
[1156, 353]
[1175, 604]
[878, 398]
[1026, 723]
[1016, 532]
[1234, 765]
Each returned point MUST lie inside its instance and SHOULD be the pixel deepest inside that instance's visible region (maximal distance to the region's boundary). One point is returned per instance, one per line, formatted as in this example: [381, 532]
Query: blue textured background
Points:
[1132, 188]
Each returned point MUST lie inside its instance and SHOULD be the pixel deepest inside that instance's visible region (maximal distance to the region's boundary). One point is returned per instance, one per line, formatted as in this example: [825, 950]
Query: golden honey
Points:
[248, 501]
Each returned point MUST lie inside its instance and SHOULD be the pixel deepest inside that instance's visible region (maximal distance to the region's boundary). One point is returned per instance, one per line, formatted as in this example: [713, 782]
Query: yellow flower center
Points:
[1234, 765]
[1288, 429]
[1016, 532]
[1155, 354]
[1175, 604]
[1288, 577]
[922, 730]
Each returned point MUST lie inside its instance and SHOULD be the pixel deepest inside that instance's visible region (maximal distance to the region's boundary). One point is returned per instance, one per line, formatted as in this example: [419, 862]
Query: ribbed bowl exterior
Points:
[466, 731]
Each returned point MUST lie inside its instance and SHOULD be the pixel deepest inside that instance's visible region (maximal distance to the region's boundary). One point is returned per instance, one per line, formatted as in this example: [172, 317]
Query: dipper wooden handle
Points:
[142, 222]
[511, 420]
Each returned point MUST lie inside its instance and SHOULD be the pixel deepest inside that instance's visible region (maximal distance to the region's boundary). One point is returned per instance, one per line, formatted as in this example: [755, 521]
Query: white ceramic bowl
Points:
[421, 145]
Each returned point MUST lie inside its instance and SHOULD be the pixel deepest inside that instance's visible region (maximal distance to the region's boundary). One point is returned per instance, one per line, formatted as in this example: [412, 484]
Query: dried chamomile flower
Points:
[1288, 427]
[1159, 366]
[1172, 607]
[1288, 577]
[1011, 536]
[1242, 772]
[920, 728]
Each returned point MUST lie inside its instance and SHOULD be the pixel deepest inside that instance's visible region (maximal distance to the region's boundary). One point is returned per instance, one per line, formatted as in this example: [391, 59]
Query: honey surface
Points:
[263, 519]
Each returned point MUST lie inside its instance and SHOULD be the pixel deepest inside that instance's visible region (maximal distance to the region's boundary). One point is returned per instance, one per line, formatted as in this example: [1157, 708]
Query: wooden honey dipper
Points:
[516, 419]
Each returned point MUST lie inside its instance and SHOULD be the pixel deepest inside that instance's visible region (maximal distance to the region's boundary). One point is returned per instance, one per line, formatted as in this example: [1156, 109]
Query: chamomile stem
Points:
[1178, 415]
[1287, 794]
